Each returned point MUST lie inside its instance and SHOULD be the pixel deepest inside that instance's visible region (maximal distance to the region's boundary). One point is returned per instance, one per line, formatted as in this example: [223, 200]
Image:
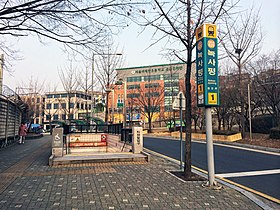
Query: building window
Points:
[151, 78]
[55, 117]
[171, 84]
[152, 109]
[56, 95]
[174, 93]
[64, 95]
[49, 95]
[72, 105]
[82, 106]
[151, 85]
[78, 106]
[49, 106]
[48, 117]
[71, 95]
[152, 94]
[133, 95]
[132, 87]
[38, 100]
[63, 105]
[134, 79]
[71, 116]
[55, 106]
[171, 77]
[63, 116]
[168, 109]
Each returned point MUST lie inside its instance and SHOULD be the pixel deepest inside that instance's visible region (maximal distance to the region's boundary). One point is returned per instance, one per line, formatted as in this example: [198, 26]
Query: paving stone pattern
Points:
[27, 182]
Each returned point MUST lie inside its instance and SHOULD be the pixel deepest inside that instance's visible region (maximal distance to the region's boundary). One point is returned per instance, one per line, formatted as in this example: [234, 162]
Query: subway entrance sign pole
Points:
[207, 84]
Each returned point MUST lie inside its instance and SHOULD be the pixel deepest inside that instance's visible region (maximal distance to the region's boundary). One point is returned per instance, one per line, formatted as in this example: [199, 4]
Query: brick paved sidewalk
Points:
[27, 182]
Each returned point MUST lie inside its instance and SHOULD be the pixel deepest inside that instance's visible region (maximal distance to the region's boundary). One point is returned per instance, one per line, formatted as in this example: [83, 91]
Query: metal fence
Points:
[126, 133]
[11, 108]
[73, 128]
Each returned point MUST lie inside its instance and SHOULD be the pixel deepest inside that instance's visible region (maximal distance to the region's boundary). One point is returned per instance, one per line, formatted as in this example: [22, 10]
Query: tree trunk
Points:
[150, 125]
[188, 162]
[106, 108]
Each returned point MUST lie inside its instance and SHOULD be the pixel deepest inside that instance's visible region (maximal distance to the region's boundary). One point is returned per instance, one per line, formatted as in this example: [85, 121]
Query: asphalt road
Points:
[229, 160]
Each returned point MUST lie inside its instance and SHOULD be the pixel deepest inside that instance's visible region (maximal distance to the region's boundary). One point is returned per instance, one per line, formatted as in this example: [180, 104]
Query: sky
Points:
[42, 62]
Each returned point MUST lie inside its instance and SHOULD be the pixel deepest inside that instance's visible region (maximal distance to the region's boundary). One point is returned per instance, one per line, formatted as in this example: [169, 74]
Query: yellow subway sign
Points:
[207, 66]
[206, 30]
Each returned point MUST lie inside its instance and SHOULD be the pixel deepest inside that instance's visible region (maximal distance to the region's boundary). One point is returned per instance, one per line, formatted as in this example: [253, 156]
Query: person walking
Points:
[22, 133]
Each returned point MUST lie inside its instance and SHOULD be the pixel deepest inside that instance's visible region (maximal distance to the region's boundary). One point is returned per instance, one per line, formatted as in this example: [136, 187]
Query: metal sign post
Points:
[181, 130]
[182, 106]
[207, 84]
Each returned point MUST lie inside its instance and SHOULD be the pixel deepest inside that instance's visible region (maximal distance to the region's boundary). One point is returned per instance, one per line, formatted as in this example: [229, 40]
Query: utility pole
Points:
[92, 98]
[249, 110]
[1, 72]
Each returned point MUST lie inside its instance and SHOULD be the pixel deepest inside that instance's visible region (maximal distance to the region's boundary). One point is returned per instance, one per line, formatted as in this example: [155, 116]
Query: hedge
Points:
[275, 133]
[262, 124]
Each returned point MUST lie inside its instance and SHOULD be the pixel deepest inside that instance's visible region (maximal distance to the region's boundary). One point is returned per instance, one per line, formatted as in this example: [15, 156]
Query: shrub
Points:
[262, 124]
[275, 133]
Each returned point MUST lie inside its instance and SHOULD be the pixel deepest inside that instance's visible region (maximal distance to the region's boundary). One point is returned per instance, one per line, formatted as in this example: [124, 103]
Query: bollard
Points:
[137, 141]
[57, 142]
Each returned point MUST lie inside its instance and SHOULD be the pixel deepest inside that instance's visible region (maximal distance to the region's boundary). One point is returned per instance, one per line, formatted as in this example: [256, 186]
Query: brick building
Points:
[153, 86]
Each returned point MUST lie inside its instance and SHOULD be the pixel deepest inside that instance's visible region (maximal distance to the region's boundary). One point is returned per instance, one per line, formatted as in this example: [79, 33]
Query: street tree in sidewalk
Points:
[175, 23]
[242, 41]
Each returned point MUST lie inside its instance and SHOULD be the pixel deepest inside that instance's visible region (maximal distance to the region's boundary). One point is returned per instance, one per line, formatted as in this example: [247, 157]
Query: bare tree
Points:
[74, 23]
[242, 42]
[176, 22]
[149, 98]
[85, 83]
[34, 89]
[266, 85]
[69, 82]
[108, 60]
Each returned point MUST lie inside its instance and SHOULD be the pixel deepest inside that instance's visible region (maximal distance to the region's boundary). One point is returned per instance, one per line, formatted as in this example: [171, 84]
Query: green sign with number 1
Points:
[207, 66]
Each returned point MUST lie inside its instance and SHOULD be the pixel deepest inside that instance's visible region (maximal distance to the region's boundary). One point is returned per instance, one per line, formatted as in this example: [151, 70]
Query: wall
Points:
[10, 118]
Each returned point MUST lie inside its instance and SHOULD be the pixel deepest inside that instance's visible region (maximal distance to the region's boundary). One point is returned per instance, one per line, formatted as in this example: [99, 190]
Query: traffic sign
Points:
[207, 66]
[176, 102]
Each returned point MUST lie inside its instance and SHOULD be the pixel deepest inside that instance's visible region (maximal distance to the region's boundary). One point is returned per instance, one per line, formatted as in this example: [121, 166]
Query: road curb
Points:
[268, 149]
[248, 192]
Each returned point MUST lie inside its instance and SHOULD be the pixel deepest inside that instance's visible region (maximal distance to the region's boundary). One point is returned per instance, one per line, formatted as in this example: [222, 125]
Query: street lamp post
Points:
[124, 105]
[113, 105]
